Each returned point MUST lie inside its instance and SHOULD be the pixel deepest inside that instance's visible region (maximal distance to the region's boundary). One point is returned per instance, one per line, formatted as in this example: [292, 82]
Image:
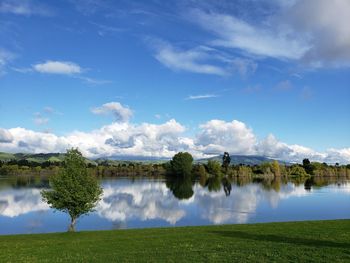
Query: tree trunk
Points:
[72, 225]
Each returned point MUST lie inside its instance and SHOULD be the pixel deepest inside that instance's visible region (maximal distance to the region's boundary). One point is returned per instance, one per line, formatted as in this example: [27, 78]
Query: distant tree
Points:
[308, 166]
[181, 164]
[214, 167]
[276, 168]
[297, 171]
[226, 159]
[73, 191]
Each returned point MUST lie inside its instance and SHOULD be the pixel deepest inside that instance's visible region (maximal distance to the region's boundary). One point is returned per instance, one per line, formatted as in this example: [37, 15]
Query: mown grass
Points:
[310, 241]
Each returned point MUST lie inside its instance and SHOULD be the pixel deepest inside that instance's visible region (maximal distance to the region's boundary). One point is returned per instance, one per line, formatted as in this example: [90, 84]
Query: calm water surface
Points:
[148, 202]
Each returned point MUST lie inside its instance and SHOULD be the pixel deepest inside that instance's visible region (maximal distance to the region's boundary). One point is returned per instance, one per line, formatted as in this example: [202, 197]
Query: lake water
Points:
[147, 202]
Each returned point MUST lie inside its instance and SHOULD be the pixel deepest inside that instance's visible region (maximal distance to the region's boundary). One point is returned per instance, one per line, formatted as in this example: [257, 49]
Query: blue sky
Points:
[155, 77]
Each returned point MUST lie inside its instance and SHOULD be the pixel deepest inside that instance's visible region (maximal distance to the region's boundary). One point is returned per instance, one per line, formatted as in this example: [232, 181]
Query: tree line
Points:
[184, 163]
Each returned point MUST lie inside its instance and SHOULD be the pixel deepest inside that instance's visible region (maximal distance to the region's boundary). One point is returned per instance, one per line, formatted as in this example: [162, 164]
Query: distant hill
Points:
[115, 160]
[243, 159]
[36, 157]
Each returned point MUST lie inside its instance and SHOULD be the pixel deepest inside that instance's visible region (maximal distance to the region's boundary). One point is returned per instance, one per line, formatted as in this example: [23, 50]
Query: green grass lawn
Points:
[310, 241]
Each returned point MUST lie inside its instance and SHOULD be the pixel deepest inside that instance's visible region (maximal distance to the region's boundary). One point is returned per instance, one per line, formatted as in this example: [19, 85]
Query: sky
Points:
[152, 78]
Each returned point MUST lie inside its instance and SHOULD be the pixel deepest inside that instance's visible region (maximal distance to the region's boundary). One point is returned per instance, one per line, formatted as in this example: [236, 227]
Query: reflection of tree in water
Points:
[227, 186]
[214, 183]
[24, 181]
[181, 187]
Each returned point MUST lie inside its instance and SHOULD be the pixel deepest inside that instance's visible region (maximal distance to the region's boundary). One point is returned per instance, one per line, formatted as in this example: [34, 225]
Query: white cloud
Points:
[21, 201]
[236, 33]
[314, 32]
[198, 97]
[24, 7]
[271, 147]
[326, 25]
[58, 67]
[218, 136]
[120, 112]
[144, 201]
[164, 140]
[5, 136]
[244, 66]
[193, 60]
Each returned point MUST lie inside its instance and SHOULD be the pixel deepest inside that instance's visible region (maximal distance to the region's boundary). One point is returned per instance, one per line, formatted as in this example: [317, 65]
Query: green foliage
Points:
[73, 190]
[297, 171]
[214, 167]
[214, 183]
[308, 167]
[276, 168]
[180, 187]
[181, 164]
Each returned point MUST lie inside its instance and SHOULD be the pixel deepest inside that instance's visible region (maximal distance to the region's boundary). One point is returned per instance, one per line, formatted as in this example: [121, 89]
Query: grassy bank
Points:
[311, 241]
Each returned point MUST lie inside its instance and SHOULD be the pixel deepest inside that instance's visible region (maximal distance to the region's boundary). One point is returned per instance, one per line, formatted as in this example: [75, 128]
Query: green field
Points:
[310, 241]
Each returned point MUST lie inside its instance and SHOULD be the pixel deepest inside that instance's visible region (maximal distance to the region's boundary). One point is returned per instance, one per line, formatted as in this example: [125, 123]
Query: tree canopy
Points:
[73, 191]
[181, 164]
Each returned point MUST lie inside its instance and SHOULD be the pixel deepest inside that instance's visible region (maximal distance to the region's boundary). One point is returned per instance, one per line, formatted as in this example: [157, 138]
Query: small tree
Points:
[181, 164]
[74, 191]
[276, 168]
[214, 167]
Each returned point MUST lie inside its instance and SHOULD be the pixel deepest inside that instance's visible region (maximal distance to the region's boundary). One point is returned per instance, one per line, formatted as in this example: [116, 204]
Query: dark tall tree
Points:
[73, 191]
[307, 166]
[226, 159]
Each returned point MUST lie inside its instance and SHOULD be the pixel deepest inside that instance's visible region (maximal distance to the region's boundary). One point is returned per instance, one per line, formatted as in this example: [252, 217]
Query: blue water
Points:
[141, 203]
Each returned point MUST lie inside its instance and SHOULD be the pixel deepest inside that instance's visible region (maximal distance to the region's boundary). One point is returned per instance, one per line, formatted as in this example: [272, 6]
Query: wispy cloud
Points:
[192, 60]
[93, 81]
[314, 33]
[24, 7]
[284, 85]
[203, 96]
[236, 33]
[5, 58]
[201, 59]
[104, 30]
[39, 119]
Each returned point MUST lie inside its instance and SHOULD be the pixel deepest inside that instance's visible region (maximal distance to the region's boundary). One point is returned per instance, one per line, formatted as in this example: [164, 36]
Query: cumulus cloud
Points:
[58, 67]
[272, 147]
[325, 24]
[164, 140]
[143, 201]
[5, 136]
[218, 136]
[21, 201]
[120, 112]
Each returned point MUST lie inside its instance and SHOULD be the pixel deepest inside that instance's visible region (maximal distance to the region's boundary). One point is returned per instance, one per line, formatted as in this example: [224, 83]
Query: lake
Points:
[160, 202]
